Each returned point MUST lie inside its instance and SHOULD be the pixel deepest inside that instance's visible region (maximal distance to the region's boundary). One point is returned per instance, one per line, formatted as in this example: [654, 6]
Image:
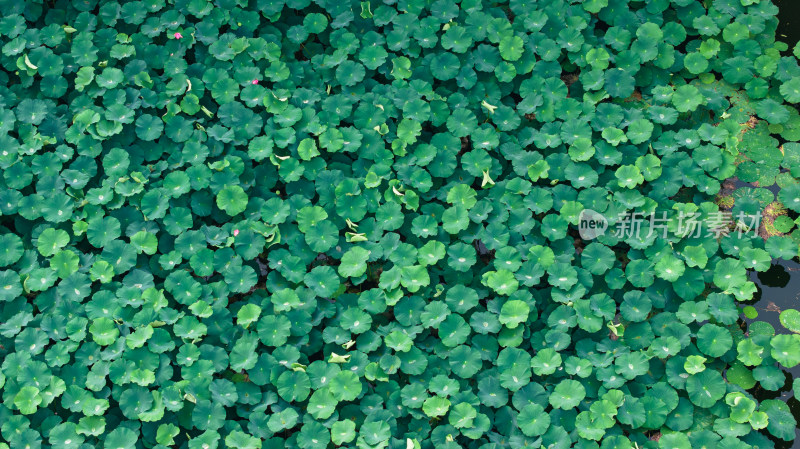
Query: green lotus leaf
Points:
[283, 420]
[104, 331]
[444, 66]
[670, 268]
[785, 349]
[66, 435]
[374, 433]
[749, 352]
[454, 220]
[546, 362]
[345, 386]
[686, 98]
[562, 276]
[349, 73]
[729, 273]
[504, 283]
[313, 435]
[274, 330]
[465, 362]
[65, 262]
[511, 48]
[781, 423]
[232, 199]
[790, 319]
[462, 123]
[10, 285]
[323, 280]
[770, 377]
[532, 420]
[315, 23]
[398, 341]
[453, 330]
[790, 197]
[101, 232]
[121, 438]
[462, 415]
[615, 137]
[138, 338]
[431, 252]
[691, 311]
[674, 440]
[343, 432]
[12, 249]
[755, 258]
[513, 313]
[240, 440]
[248, 314]
[208, 438]
[50, 241]
[538, 170]
[177, 183]
[293, 386]
[714, 340]
[436, 406]
[166, 434]
[742, 407]
[734, 32]
[694, 364]
[354, 262]
[149, 127]
[631, 365]
[619, 83]
[414, 277]
[635, 306]
[705, 388]
[790, 90]
[695, 62]
[772, 111]
[597, 258]
[307, 149]
[587, 428]
[567, 394]
[695, 256]
[639, 131]
[189, 327]
[240, 278]
[322, 404]
[485, 322]
[640, 273]
[27, 400]
[145, 242]
[356, 321]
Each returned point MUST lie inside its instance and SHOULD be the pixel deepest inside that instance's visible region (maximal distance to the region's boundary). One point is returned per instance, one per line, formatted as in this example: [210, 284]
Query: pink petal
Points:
[235, 232]
[178, 35]
[255, 81]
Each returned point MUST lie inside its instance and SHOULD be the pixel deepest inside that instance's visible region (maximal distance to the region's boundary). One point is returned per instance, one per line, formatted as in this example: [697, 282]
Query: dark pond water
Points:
[779, 287]
[788, 21]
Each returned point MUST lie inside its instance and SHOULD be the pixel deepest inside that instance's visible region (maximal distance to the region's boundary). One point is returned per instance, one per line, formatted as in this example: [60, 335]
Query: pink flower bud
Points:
[178, 36]
[255, 81]
[235, 232]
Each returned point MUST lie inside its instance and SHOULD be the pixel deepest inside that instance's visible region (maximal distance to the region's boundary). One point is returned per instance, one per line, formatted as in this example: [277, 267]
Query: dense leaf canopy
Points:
[306, 224]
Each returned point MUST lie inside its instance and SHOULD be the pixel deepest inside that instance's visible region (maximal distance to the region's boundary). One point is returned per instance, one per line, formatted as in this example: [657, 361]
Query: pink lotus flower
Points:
[255, 81]
[178, 36]
[235, 232]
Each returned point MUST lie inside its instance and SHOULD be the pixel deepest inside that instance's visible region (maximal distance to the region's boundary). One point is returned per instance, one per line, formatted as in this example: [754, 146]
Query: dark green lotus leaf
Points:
[705, 388]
